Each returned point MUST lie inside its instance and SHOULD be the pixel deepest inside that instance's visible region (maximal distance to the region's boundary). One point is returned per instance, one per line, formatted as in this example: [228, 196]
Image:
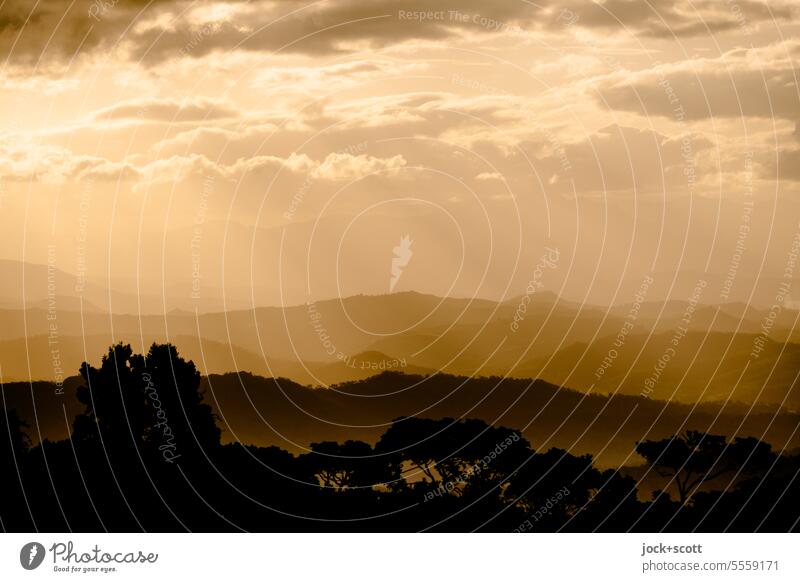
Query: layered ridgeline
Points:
[675, 351]
[399, 452]
[265, 411]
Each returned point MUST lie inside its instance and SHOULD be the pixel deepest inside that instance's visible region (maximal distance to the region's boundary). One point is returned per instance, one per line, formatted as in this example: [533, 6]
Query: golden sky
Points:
[274, 152]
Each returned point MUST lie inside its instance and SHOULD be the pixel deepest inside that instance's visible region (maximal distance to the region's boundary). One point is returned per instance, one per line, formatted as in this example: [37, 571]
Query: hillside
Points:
[265, 411]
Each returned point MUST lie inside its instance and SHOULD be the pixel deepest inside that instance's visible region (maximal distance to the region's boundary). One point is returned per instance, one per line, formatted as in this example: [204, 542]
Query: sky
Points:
[229, 154]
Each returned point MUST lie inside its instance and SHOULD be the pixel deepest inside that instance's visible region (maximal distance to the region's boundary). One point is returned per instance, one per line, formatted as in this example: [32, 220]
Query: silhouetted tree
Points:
[450, 451]
[13, 434]
[412, 441]
[548, 473]
[137, 461]
[179, 418]
[347, 465]
[14, 450]
[113, 395]
[151, 403]
[695, 458]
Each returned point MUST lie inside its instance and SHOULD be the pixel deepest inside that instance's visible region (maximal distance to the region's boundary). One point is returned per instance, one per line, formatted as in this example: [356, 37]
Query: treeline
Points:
[146, 455]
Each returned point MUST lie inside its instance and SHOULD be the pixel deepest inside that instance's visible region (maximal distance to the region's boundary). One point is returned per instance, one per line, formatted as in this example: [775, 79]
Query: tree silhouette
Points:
[138, 459]
[113, 397]
[13, 434]
[14, 451]
[180, 421]
[548, 473]
[149, 403]
[412, 441]
[695, 458]
[347, 465]
[461, 456]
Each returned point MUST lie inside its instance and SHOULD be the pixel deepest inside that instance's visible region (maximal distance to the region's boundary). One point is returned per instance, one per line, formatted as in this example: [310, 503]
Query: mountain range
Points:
[668, 351]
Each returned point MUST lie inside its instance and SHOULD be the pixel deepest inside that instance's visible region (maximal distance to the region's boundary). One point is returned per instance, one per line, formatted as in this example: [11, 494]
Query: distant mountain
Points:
[265, 411]
[539, 337]
[29, 285]
[698, 367]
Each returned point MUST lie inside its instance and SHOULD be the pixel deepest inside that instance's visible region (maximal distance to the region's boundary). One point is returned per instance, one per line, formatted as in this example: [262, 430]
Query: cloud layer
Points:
[155, 30]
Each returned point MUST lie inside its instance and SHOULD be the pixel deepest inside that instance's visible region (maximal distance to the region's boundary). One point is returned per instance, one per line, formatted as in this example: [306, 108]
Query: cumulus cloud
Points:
[26, 160]
[334, 167]
[625, 159]
[350, 167]
[86, 168]
[178, 168]
[51, 164]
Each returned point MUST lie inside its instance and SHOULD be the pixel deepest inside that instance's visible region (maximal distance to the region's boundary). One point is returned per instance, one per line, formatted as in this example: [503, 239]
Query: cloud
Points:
[350, 167]
[675, 18]
[36, 32]
[786, 168]
[168, 110]
[161, 29]
[22, 159]
[27, 160]
[179, 168]
[334, 167]
[353, 71]
[489, 176]
[85, 168]
[52, 164]
[741, 83]
[623, 159]
[151, 31]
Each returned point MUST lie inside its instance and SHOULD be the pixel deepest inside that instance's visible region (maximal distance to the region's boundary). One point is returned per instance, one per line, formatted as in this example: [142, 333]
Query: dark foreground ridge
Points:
[145, 453]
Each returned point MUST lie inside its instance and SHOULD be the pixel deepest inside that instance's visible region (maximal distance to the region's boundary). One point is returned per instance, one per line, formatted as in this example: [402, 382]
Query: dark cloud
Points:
[335, 27]
[59, 29]
[786, 168]
[38, 32]
[676, 18]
